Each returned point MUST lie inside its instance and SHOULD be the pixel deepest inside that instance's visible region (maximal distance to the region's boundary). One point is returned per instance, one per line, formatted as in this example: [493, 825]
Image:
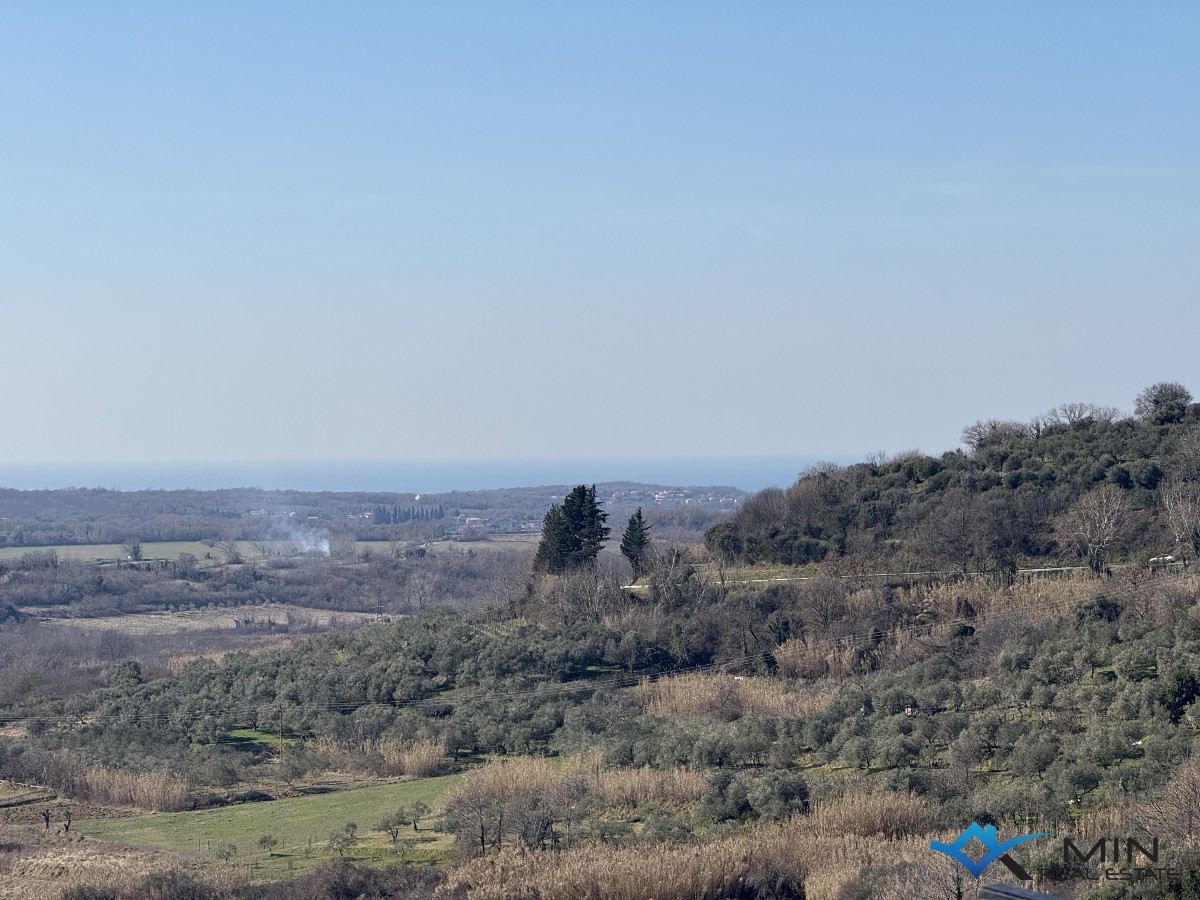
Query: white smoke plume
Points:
[311, 543]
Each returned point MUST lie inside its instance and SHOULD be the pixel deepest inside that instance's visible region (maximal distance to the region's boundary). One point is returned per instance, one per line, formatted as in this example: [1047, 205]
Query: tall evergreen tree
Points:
[635, 542]
[572, 534]
[550, 552]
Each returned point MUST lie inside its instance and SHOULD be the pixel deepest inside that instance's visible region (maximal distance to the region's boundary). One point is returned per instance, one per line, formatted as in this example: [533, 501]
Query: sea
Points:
[433, 476]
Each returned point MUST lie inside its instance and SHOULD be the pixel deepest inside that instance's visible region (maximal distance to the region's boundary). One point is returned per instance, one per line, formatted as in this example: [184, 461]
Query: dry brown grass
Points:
[175, 665]
[332, 753]
[627, 788]
[632, 788]
[142, 790]
[612, 788]
[664, 872]
[510, 776]
[42, 872]
[806, 657]
[884, 814]
[838, 861]
[826, 850]
[10, 853]
[827, 662]
[391, 757]
[418, 759]
[728, 696]
[219, 618]
[154, 791]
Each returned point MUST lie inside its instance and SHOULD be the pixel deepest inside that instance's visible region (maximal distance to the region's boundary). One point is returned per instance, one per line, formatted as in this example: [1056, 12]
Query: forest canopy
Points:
[1019, 494]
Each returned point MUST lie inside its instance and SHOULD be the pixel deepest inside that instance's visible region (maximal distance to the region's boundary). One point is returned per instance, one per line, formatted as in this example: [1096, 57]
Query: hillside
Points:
[713, 730]
[1082, 482]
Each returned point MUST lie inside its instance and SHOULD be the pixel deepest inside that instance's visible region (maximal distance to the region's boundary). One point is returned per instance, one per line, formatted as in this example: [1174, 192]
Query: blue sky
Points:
[384, 230]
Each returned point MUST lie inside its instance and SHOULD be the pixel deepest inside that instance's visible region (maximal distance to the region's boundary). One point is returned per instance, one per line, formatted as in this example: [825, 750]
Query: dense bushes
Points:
[868, 678]
[983, 508]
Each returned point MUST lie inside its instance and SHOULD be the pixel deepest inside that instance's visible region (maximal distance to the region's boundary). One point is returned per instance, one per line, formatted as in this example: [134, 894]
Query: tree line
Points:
[1079, 483]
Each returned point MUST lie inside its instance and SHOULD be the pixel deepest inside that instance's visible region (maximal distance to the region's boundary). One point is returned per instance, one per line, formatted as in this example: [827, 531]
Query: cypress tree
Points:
[550, 552]
[572, 534]
[635, 541]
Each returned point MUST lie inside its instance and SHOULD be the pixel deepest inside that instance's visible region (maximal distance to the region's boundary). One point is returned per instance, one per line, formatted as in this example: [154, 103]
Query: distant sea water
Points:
[417, 476]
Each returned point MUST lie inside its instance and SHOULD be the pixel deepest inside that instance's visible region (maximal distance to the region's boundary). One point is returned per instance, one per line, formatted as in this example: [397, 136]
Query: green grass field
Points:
[169, 550]
[301, 825]
[109, 552]
[250, 550]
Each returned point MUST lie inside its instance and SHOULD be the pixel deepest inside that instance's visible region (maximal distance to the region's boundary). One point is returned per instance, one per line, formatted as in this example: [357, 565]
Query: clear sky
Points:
[408, 230]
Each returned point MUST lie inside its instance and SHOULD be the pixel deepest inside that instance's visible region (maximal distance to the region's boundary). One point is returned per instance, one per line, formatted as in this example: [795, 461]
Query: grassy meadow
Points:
[301, 825]
[114, 552]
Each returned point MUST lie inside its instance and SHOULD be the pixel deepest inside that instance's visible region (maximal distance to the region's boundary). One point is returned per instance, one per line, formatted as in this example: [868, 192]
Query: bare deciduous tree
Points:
[956, 532]
[822, 601]
[1080, 414]
[584, 595]
[1187, 455]
[674, 576]
[476, 810]
[1181, 506]
[233, 553]
[1095, 523]
[992, 432]
[1176, 811]
[764, 510]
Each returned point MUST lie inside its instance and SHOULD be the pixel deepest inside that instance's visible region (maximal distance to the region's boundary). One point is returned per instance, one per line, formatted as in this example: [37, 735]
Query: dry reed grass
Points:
[825, 850]
[175, 665]
[624, 788]
[727, 696]
[508, 777]
[664, 872]
[883, 814]
[48, 871]
[633, 788]
[142, 790]
[630, 788]
[386, 756]
[332, 753]
[418, 759]
[806, 657]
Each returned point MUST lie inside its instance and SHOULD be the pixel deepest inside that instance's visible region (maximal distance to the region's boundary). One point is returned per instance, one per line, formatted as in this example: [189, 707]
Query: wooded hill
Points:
[1081, 482]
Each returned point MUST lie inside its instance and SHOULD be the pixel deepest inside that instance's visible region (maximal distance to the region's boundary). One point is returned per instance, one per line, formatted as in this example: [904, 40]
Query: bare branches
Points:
[992, 433]
[1095, 523]
[1080, 414]
[1181, 507]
